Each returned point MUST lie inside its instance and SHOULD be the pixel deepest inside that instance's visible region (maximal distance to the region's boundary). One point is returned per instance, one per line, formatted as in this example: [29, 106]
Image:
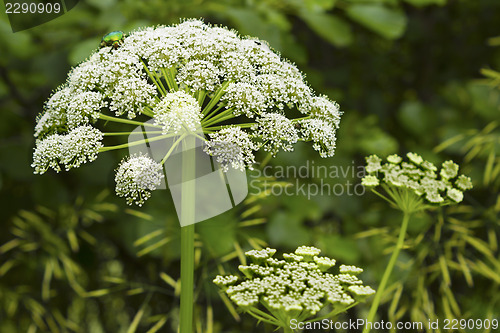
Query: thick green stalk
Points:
[127, 121]
[388, 271]
[135, 143]
[187, 234]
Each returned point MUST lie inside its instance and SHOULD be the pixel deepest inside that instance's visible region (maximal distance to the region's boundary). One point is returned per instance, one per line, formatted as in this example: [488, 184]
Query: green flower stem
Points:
[267, 319]
[201, 96]
[170, 78]
[130, 133]
[173, 72]
[136, 143]
[213, 118]
[153, 78]
[126, 121]
[158, 79]
[295, 120]
[220, 117]
[245, 125]
[150, 111]
[176, 143]
[388, 271]
[217, 128]
[216, 98]
[332, 313]
[214, 111]
[261, 313]
[385, 198]
[187, 217]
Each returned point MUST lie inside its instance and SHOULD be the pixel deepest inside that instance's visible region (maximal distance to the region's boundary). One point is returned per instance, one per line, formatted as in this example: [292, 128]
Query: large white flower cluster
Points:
[190, 76]
[297, 287]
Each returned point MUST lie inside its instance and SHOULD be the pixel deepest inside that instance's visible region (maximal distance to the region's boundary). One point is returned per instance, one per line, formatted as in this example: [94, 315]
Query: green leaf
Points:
[251, 23]
[138, 316]
[392, 2]
[331, 28]
[287, 231]
[422, 3]
[319, 4]
[340, 248]
[414, 117]
[387, 22]
[83, 50]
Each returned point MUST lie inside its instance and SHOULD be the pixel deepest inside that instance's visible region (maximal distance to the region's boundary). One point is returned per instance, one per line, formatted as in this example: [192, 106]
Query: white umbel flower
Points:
[177, 110]
[84, 107]
[298, 287]
[54, 116]
[190, 77]
[276, 131]
[80, 145]
[417, 182]
[47, 154]
[200, 75]
[232, 146]
[136, 178]
[323, 108]
[322, 133]
[245, 98]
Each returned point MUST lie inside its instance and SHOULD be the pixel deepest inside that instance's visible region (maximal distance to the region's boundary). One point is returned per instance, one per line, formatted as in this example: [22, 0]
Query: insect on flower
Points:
[114, 39]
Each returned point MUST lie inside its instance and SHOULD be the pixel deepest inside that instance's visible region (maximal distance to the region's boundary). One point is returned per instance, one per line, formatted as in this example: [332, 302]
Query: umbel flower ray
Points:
[189, 77]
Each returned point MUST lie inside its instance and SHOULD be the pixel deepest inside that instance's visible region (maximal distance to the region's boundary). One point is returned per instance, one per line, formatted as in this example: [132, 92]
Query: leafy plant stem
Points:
[388, 271]
[187, 218]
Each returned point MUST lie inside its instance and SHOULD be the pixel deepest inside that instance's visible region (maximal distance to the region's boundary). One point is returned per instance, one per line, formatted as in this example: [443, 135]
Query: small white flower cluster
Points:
[418, 176]
[276, 132]
[79, 146]
[298, 286]
[327, 110]
[121, 78]
[231, 146]
[178, 110]
[136, 177]
[322, 134]
[67, 109]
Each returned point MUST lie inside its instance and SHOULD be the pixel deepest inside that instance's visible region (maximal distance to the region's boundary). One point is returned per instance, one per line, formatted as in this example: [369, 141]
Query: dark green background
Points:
[407, 76]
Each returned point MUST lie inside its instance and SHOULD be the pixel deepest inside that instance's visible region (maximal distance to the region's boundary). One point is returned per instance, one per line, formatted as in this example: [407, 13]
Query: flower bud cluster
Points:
[300, 285]
[418, 176]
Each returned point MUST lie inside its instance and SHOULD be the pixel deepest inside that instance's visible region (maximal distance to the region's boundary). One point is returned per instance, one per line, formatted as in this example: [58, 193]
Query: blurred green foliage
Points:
[407, 76]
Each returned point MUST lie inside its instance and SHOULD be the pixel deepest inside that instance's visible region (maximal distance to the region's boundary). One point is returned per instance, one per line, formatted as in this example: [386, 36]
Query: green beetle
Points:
[114, 39]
